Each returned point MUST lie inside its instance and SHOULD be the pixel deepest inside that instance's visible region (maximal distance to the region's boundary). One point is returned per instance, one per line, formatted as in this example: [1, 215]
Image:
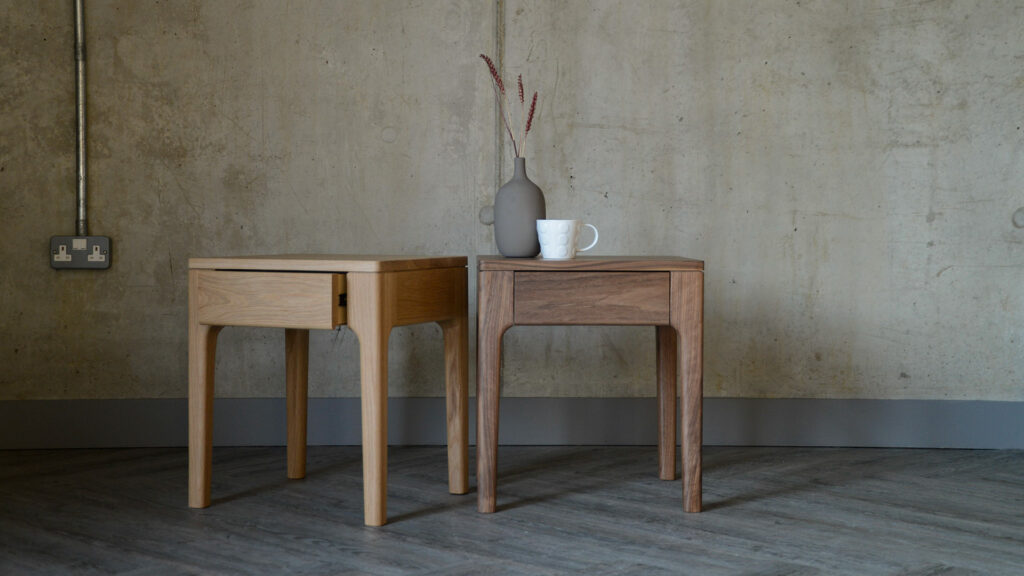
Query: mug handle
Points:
[592, 244]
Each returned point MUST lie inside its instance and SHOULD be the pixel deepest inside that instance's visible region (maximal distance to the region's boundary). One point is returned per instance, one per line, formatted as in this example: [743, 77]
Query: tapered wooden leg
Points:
[367, 316]
[688, 319]
[202, 351]
[296, 346]
[494, 318]
[666, 402]
[456, 359]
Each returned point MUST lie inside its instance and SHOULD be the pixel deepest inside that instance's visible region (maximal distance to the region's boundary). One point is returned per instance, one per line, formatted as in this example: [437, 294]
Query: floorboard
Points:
[561, 510]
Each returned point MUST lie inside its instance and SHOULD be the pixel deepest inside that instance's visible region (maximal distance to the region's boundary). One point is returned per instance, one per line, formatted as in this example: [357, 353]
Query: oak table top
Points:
[327, 263]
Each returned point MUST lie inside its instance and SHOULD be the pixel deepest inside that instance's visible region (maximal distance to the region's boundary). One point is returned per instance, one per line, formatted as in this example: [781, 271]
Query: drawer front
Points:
[272, 299]
[592, 298]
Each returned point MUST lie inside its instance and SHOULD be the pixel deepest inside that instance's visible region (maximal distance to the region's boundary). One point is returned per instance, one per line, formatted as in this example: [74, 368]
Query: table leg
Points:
[296, 346]
[666, 354]
[494, 315]
[456, 358]
[688, 319]
[367, 316]
[202, 352]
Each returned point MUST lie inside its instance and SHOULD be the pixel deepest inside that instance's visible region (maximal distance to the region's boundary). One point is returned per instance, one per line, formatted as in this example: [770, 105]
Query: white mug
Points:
[558, 238]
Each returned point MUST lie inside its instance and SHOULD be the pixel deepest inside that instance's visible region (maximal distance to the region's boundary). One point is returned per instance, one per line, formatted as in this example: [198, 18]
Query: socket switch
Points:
[70, 252]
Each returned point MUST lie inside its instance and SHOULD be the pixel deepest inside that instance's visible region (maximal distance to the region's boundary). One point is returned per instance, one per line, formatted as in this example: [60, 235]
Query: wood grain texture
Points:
[592, 263]
[666, 369]
[270, 299]
[495, 314]
[327, 262]
[370, 319]
[610, 298]
[202, 348]
[456, 361]
[566, 510]
[688, 320]
[426, 295]
[296, 346]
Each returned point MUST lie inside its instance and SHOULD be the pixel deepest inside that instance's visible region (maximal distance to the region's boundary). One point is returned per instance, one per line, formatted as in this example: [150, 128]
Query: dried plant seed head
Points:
[533, 108]
[520, 88]
[494, 73]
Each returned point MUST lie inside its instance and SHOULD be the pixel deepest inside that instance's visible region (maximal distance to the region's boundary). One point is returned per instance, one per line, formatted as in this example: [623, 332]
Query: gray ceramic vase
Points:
[517, 207]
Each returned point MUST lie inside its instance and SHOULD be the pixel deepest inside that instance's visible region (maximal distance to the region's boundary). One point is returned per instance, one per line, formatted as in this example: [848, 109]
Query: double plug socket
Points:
[69, 252]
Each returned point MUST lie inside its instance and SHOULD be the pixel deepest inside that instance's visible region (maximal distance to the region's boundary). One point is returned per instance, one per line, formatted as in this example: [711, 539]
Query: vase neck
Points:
[519, 171]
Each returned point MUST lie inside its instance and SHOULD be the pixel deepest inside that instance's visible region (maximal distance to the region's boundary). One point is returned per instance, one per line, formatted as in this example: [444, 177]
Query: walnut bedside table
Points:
[666, 292]
[370, 294]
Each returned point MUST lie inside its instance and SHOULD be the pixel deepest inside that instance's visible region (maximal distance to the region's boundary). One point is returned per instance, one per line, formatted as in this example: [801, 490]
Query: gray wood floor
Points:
[562, 510]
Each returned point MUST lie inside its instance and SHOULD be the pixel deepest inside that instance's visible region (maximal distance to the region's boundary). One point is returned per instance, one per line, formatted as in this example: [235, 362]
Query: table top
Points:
[327, 263]
[592, 264]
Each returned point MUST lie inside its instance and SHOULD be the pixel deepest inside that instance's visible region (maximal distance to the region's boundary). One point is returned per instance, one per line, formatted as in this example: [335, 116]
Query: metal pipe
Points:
[81, 228]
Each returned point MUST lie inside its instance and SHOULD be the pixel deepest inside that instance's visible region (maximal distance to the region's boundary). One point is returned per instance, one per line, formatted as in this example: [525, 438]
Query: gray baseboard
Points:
[524, 421]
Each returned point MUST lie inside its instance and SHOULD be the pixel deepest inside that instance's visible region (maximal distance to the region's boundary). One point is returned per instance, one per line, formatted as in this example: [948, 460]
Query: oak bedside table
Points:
[369, 294]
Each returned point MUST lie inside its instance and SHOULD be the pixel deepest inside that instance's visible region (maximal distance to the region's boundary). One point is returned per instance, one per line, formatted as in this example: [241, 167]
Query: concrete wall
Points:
[848, 170]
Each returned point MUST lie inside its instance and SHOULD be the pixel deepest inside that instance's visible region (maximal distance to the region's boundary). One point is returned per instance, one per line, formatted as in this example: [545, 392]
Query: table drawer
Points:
[274, 299]
[592, 298]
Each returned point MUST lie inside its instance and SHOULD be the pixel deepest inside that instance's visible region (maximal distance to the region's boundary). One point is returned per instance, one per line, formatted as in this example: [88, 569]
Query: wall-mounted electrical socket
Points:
[80, 252]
